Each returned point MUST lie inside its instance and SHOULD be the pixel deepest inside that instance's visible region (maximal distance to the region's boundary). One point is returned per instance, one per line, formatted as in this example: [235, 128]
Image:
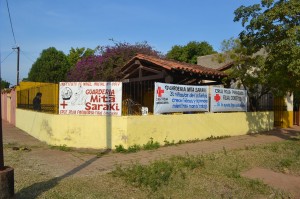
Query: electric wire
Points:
[26, 56]
[11, 25]
[7, 56]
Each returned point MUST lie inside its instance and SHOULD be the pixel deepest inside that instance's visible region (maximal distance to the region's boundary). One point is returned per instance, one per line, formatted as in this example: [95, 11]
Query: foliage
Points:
[120, 148]
[249, 71]
[110, 59]
[159, 172]
[61, 148]
[211, 138]
[168, 143]
[134, 148]
[51, 66]
[76, 54]
[4, 84]
[189, 52]
[131, 149]
[150, 145]
[87, 69]
[275, 26]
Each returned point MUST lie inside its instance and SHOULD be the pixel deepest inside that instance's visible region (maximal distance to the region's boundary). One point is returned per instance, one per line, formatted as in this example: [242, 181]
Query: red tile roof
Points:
[171, 64]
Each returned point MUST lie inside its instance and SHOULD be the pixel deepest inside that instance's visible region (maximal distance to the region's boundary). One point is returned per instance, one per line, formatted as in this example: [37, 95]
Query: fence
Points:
[279, 108]
[135, 95]
[49, 97]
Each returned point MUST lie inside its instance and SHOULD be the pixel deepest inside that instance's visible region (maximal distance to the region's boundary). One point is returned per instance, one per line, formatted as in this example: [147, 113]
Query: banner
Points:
[90, 98]
[223, 100]
[180, 98]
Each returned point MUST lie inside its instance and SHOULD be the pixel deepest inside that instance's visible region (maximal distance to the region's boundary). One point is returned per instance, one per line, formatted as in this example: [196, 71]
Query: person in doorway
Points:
[37, 102]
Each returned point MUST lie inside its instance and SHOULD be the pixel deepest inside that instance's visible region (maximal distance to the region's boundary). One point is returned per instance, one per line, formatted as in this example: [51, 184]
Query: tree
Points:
[248, 71]
[106, 65]
[274, 26]
[77, 54]
[4, 84]
[51, 66]
[190, 52]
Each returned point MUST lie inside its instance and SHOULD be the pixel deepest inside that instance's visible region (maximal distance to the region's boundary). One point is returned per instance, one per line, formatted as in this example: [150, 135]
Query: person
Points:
[37, 102]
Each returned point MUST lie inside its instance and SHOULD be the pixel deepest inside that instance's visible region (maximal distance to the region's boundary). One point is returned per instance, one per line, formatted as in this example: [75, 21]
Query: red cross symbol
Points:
[64, 104]
[217, 97]
[160, 91]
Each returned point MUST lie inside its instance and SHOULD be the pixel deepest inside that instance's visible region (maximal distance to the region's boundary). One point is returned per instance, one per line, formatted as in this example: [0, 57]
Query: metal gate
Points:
[279, 109]
[296, 116]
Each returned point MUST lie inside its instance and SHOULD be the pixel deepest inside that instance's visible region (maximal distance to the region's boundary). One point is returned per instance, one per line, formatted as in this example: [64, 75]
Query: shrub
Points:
[150, 145]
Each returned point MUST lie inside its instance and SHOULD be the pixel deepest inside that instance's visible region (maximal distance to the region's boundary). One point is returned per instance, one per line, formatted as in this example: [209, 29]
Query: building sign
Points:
[180, 98]
[223, 100]
[90, 98]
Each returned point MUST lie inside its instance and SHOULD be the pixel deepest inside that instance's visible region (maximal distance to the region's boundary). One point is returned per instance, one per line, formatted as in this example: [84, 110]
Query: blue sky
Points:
[40, 24]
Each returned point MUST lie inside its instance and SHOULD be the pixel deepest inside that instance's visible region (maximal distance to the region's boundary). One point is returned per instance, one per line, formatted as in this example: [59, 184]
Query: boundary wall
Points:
[108, 131]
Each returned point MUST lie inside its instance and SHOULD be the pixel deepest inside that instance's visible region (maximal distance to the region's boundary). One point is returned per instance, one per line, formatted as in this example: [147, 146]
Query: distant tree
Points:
[248, 71]
[4, 84]
[51, 66]
[106, 65]
[76, 54]
[189, 53]
[274, 26]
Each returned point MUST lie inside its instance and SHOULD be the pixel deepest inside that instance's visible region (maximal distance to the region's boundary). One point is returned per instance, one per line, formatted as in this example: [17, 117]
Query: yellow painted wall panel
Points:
[73, 131]
[106, 132]
[287, 119]
[195, 126]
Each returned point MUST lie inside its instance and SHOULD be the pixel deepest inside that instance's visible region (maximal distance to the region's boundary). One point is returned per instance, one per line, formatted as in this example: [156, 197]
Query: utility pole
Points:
[18, 64]
[1, 137]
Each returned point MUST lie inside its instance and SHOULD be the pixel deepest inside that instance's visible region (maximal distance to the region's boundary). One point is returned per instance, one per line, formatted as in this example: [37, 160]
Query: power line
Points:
[27, 56]
[12, 30]
[7, 56]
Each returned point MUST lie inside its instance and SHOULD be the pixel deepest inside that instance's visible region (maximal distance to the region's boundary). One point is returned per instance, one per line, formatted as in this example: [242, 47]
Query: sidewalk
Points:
[60, 163]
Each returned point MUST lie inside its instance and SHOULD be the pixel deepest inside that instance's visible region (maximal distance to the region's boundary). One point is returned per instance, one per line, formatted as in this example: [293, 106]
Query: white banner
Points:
[90, 98]
[180, 98]
[223, 100]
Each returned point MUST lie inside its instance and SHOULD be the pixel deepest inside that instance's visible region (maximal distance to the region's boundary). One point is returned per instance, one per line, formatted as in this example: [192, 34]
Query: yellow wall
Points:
[101, 131]
[287, 119]
[73, 131]
[27, 85]
[195, 126]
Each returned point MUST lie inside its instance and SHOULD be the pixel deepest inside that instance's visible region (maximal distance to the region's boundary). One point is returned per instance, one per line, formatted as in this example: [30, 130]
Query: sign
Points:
[90, 98]
[180, 98]
[144, 110]
[223, 100]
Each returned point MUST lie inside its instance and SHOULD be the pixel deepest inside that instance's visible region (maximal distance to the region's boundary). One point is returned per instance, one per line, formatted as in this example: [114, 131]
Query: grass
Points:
[215, 175]
[152, 145]
[61, 148]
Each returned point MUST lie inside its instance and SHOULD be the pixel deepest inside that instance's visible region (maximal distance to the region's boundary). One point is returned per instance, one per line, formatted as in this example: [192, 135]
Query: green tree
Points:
[189, 53]
[4, 84]
[76, 54]
[51, 66]
[248, 71]
[274, 26]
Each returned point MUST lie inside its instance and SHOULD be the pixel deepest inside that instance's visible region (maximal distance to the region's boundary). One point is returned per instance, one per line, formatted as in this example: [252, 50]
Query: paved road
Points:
[60, 163]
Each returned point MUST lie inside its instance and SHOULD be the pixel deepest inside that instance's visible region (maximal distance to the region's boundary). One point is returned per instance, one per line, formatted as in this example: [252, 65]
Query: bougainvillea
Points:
[105, 65]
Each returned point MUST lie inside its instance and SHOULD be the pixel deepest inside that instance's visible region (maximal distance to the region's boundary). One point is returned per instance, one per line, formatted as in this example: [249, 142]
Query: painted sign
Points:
[180, 98]
[223, 100]
[90, 98]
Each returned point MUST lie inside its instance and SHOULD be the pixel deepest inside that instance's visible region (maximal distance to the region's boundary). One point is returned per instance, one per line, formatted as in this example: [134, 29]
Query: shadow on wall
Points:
[259, 121]
[36, 189]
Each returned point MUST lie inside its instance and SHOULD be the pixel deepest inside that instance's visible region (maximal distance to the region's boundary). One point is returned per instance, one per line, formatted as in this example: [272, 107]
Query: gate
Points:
[279, 109]
[296, 116]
